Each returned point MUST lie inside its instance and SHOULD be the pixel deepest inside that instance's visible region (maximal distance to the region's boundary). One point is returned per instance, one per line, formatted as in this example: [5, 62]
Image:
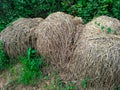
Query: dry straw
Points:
[104, 24]
[80, 52]
[97, 56]
[18, 37]
[56, 38]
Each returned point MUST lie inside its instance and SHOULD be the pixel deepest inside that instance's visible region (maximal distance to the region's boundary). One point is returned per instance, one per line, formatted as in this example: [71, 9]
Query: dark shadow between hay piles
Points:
[18, 37]
[97, 57]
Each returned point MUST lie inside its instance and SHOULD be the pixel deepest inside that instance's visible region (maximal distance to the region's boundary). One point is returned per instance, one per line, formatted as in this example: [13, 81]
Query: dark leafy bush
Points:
[10, 10]
[87, 9]
[115, 11]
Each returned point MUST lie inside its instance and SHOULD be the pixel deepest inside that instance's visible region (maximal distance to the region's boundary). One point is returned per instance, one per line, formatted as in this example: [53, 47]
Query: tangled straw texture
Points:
[18, 36]
[55, 38]
[78, 51]
[101, 24]
[97, 55]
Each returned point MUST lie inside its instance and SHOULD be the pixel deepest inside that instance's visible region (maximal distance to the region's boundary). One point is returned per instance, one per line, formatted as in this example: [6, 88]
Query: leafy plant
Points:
[109, 30]
[87, 9]
[102, 27]
[95, 22]
[117, 88]
[57, 84]
[31, 67]
[98, 24]
[85, 82]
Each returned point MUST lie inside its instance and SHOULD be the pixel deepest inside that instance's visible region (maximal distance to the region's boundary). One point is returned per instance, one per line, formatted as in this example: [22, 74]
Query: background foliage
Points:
[10, 10]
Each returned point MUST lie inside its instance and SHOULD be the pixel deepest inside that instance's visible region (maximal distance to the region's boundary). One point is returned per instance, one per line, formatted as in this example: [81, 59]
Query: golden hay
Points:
[18, 36]
[55, 38]
[97, 57]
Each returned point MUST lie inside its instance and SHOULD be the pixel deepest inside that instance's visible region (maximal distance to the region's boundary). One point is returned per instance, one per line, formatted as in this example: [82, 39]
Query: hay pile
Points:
[104, 25]
[78, 51]
[19, 36]
[56, 38]
[97, 55]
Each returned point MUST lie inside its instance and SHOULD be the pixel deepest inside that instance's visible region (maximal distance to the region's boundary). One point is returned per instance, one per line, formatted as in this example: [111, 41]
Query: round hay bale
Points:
[56, 38]
[96, 58]
[18, 37]
[55, 35]
[104, 24]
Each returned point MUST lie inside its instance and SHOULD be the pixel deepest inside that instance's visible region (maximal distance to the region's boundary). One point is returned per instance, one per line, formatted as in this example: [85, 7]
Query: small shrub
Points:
[31, 67]
[87, 9]
[84, 82]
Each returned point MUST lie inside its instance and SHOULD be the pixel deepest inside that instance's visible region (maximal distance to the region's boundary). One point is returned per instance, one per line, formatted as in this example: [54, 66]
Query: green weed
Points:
[57, 84]
[98, 24]
[31, 67]
[85, 82]
[102, 27]
[117, 88]
[109, 30]
[95, 22]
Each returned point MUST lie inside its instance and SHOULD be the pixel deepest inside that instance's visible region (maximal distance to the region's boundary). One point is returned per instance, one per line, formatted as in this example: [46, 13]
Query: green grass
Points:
[57, 84]
[84, 82]
[31, 67]
[117, 88]
[31, 71]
